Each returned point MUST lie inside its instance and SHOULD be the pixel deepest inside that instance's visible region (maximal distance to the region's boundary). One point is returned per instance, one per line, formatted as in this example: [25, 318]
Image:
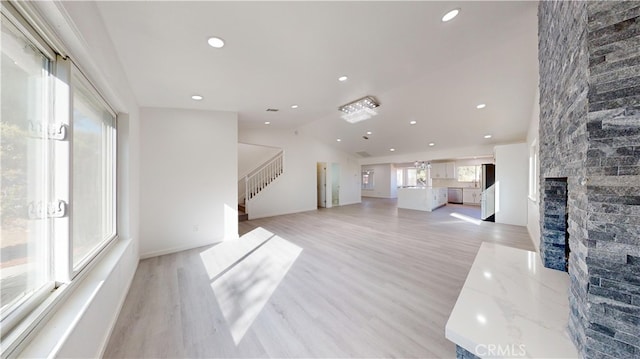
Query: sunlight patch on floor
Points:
[466, 218]
[245, 273]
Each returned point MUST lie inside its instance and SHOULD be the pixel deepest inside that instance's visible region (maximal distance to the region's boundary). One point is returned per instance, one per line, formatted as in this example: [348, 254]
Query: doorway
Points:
[335, 184]
[322, 184]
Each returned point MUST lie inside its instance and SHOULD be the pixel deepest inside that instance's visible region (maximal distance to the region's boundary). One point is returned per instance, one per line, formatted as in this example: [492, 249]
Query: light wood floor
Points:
[365, 281]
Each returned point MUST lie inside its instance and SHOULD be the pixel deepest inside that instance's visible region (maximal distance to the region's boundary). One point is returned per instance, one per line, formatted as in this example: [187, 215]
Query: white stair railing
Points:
[260, 178]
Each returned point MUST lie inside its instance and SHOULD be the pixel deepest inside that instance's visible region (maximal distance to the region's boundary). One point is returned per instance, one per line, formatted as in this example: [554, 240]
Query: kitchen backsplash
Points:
[453, 183]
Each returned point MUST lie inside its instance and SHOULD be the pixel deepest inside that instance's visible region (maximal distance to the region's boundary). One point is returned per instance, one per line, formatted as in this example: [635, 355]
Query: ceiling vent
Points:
[272, 110]
[363, 154]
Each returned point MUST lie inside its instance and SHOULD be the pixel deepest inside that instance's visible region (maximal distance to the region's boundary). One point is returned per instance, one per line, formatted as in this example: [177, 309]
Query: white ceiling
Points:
[283, 53]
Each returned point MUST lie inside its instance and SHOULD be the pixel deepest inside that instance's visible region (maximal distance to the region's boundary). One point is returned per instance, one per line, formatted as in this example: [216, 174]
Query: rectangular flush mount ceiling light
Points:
[359, 110]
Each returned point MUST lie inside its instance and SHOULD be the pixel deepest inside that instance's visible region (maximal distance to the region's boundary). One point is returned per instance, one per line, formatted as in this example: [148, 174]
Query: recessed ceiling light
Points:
[487, 136]
[392, 149]
[339, 140]
[267, 123]
[369, 132]
[412, 122]
[196, 97]
[342, 78]
[450, 15]
[480, 106]
[294, 106]
[216, 42]
[431, 144]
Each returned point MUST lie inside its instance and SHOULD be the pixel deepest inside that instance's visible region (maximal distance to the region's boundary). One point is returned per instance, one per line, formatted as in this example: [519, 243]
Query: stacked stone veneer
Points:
[554, 224]
[462, 353]
[589, 56]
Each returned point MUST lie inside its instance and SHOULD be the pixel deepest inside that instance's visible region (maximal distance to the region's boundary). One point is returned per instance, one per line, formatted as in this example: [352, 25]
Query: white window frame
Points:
[477, 173]
[400, 175]
[534, 171]
[369, 186]
[404, 171]
[22, 321]
[22, 308]
[407, 181]
[78, 75]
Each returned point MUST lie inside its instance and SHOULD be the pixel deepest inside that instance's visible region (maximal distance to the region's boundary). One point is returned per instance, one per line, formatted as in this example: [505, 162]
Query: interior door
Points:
[322, 185]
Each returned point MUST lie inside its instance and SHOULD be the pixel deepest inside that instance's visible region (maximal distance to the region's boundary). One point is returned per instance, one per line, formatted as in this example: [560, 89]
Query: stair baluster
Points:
[256, 181]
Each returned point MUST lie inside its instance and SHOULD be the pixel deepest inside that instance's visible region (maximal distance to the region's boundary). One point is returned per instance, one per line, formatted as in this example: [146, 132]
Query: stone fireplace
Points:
[554, 245]
[590, 139]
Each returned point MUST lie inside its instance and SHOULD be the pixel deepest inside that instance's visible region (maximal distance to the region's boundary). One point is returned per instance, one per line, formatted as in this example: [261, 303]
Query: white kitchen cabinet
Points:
[422, 198]
[450, 168]
[442, 196]
[471, 196]
[438, 170]
[443, 170]
[437, 197]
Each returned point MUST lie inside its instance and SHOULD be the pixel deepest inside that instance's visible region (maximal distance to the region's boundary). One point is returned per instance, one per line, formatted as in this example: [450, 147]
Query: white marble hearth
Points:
[512, 306]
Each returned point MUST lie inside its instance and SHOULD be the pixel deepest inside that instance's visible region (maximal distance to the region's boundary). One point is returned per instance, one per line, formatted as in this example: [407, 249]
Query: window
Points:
[421, 176]
[58, 175]
[93, 171]
[469, 173]
[24, 185]
[412, 177]
[533, 171]
[367, 180]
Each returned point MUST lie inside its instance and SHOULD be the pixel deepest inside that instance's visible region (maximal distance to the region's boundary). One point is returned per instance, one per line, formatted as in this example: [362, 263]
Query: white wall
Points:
[533, 209]
[251, 157]
[80, 326]
[512, 168]
[188, 171]
[383, 184]
[296, 189]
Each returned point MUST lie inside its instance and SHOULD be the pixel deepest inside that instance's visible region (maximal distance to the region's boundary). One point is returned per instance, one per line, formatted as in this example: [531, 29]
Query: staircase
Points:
[242, 213]
[256, 181]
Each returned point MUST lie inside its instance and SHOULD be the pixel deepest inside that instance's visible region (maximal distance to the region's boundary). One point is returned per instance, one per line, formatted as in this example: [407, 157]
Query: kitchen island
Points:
[422, 198]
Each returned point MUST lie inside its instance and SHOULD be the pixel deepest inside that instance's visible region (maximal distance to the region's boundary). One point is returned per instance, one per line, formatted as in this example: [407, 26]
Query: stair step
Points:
[242, 216]
[242, 208]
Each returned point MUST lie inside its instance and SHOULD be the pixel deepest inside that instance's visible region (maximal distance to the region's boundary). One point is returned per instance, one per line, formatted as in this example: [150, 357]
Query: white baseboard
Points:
[274, 214]
[185, 247]
[349, 203]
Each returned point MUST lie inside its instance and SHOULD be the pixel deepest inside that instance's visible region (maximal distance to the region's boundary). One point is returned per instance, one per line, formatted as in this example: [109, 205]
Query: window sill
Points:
[42, 333]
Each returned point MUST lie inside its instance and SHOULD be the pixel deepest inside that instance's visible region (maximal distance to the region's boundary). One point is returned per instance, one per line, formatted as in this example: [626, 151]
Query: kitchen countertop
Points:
[419, 187]
[512, 302]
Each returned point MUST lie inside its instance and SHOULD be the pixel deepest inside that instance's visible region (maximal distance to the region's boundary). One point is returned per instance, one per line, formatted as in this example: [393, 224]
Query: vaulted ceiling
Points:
[278, 54]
